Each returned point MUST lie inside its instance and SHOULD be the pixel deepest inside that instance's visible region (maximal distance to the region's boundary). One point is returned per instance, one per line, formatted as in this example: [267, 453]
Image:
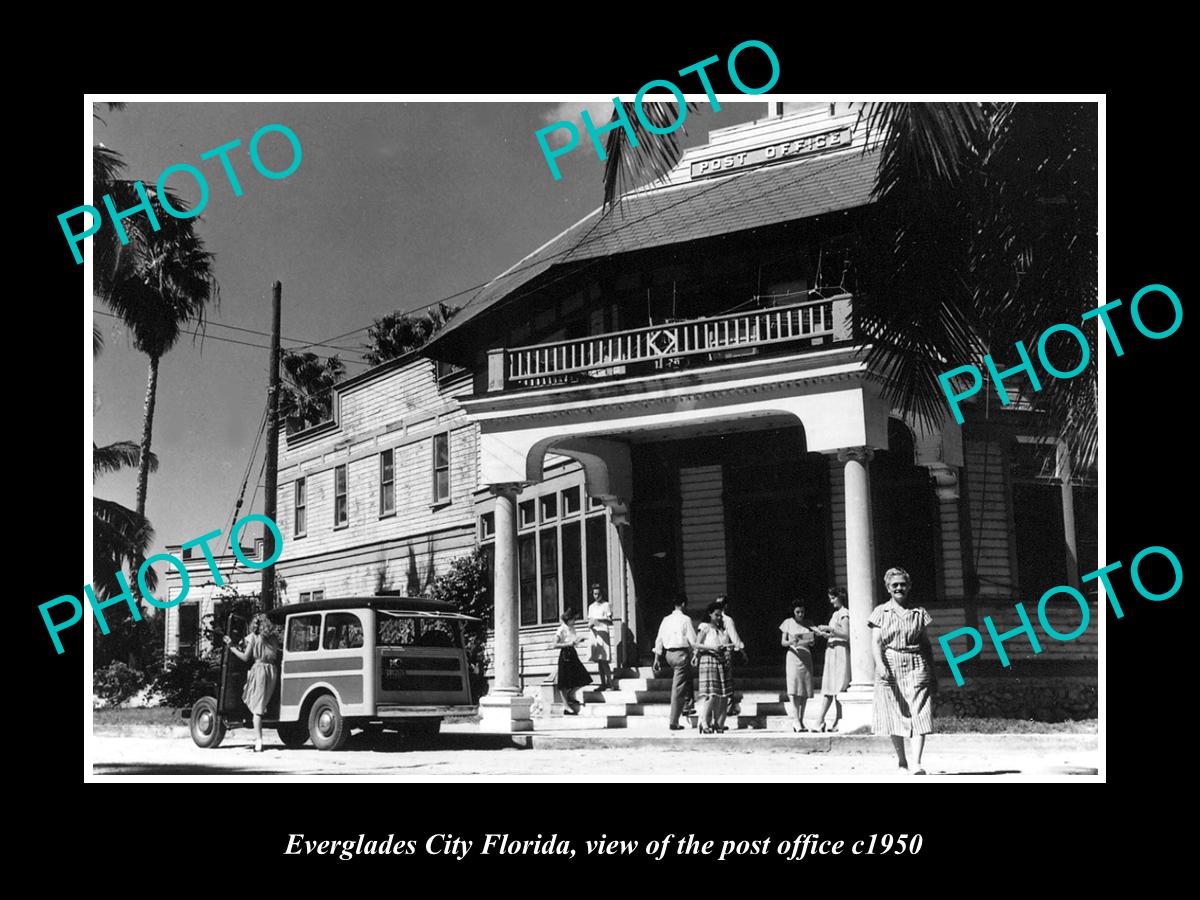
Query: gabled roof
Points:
[692, 211]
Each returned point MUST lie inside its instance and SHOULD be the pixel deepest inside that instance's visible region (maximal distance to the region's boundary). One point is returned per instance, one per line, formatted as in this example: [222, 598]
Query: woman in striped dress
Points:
[715, 687]
[904, 679]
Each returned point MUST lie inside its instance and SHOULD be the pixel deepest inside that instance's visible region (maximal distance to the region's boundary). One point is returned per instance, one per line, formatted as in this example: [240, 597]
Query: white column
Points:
[504, 708]
[506, 633]
[860, 562]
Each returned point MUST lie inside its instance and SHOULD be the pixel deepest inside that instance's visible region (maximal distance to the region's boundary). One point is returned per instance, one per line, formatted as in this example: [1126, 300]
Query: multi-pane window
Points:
[301, 507]
[562, 549]
[305, 596]
[189, 629]
[341, 507]
[441, 468]
[387, 482]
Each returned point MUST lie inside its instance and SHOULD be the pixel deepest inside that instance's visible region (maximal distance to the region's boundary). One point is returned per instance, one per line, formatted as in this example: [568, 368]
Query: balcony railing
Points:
[672, 345]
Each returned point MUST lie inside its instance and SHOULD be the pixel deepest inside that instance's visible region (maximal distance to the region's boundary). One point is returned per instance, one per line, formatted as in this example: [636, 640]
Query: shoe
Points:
[919, 770]
[675, 727]
[721, 729]
[820, 730]
[258, 747]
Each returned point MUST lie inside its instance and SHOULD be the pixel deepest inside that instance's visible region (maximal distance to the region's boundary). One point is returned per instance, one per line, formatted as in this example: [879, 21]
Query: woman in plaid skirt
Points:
[716, 677]
[904, 679]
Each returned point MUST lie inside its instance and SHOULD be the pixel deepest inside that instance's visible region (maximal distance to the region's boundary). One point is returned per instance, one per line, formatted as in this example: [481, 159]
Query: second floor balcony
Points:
[672, 346]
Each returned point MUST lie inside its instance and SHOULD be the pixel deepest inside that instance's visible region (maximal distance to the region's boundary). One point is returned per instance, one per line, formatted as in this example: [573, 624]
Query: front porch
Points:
[748, 478]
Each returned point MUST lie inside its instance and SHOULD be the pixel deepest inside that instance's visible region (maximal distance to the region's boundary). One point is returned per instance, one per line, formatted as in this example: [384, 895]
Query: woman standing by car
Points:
[571, 674]
[904, 679]
[261, 655]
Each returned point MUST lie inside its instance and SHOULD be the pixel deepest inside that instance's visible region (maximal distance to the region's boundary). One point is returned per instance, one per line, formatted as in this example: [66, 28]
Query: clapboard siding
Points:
[988, 505]
[953, 583]
[837, 516]
[702, 531]
[401, 410]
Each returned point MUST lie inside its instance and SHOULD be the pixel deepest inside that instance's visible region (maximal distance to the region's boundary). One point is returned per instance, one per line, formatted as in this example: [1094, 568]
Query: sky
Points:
[394, 206]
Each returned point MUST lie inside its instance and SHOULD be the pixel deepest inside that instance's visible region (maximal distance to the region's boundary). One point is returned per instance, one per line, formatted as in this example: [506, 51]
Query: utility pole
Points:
[268, 575]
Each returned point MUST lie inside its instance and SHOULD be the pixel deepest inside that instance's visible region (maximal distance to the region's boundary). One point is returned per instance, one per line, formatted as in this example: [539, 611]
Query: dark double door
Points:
[777, 542]
[775, 500]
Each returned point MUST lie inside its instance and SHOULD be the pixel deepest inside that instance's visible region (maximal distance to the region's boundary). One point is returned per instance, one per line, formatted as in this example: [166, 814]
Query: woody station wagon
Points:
[369, 663]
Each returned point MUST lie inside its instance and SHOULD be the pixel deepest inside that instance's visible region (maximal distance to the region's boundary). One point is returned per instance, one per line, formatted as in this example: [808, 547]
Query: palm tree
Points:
[164, 283]
[120, 540]
[306, 397]
[399, 333]
[984, 233]
[121, 537]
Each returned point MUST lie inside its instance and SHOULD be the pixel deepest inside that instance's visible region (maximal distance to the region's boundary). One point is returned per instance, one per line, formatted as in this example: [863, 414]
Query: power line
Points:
[227, 340]
[587, 239]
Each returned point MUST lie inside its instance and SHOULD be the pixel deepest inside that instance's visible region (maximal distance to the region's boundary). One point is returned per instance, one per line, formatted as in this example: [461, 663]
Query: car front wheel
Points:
[326, 725]
[207, 725]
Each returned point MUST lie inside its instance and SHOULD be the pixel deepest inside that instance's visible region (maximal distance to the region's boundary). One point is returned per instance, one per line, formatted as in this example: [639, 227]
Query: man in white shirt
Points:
[722, 603]
[675, 641]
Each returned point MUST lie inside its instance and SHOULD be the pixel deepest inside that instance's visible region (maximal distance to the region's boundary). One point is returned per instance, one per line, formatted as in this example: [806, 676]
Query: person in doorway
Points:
[713, 646]
[571, 676]
[600, 645]
[797, 638]
[262, 656]
[675, 642]
[836, 676]
[738, 647]
[904, 681]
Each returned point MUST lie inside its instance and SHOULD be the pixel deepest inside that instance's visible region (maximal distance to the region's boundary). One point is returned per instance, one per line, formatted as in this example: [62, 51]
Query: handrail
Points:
[608, 353]
[699, 321]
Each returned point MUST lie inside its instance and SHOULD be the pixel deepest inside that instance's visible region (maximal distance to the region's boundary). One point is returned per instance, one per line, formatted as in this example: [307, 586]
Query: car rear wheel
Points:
[207, 725]
[326, 725]
[293, 734]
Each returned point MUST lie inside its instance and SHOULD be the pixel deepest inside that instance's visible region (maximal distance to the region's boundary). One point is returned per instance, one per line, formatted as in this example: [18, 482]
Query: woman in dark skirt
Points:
[715, 689]
[571, 676]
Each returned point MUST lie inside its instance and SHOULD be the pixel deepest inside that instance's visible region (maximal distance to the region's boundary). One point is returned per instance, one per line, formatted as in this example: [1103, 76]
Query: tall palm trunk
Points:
[147, 428]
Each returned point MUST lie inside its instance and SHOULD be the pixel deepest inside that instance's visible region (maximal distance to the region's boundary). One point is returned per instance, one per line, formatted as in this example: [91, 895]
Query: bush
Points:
[466, 586]
[185, 679]
[116, 683]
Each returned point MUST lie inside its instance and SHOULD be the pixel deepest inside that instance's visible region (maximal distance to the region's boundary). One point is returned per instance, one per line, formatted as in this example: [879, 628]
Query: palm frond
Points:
[627, 166]
[117, 456]
[120, 541]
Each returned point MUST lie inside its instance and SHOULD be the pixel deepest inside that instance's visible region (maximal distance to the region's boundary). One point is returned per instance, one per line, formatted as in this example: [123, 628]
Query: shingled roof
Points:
[700, 209]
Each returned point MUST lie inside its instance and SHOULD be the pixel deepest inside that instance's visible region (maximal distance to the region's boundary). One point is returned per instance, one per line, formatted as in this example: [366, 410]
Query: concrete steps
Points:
[642, 704]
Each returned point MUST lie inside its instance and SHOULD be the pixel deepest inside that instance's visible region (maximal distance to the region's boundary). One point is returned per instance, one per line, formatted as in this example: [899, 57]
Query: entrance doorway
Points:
[777, 522]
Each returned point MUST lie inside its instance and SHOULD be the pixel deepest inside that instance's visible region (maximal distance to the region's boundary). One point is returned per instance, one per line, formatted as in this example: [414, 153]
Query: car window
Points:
[397, 631]
[304, 633]
[343, 631]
